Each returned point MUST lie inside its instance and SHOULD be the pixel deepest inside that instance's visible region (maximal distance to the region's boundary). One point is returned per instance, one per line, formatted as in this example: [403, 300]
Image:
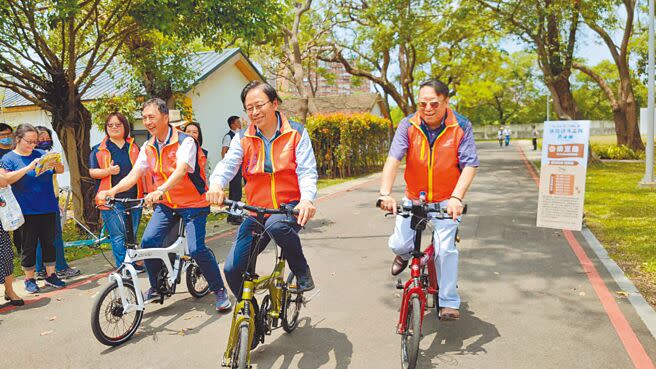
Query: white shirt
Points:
[186, 153]
[306, 166]
[227, 139]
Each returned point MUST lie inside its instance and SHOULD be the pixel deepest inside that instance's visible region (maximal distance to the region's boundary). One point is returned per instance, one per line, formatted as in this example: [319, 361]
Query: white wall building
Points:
[215, 96]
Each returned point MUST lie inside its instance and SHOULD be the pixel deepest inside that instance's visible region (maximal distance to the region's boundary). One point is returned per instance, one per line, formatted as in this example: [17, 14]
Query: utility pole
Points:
[648, 180]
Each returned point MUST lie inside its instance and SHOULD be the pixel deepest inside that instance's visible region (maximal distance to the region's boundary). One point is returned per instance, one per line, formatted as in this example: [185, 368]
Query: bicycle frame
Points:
[252, 283]
[415, 285]
[243, 310]
[180, 248]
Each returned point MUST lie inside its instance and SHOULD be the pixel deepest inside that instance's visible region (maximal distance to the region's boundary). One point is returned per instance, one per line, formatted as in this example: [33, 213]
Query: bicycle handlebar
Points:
[427, 208]
[283, 209]
[110, 201]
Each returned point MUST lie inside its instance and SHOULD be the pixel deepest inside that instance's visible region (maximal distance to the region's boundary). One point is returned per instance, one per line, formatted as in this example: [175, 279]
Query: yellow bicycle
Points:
[281, 305]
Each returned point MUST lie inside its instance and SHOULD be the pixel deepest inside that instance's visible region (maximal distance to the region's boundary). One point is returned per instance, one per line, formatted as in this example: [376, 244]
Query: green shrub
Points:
[614, 152]
[349, 144]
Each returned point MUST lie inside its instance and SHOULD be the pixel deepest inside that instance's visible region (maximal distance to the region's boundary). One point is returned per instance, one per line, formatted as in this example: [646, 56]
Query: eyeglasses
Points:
[30, 142]
[251, 109]
[114, 125]
[433, 104]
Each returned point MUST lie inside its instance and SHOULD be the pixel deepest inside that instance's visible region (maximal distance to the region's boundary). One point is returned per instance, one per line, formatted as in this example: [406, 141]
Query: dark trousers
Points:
[165, 218]
[284, 234]
[37, 228]
[535, 144]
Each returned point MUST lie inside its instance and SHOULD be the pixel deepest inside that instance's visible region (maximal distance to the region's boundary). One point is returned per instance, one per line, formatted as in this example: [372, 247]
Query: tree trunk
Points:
[73, 128]
[563, 100]
[627, 117]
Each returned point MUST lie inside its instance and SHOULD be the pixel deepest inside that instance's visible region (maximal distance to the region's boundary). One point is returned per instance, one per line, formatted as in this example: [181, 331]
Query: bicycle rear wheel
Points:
[410, 338]
[291, 307]
[109, 324]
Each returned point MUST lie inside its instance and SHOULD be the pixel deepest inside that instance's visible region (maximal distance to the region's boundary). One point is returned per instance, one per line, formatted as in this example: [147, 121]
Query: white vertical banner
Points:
[562, 174]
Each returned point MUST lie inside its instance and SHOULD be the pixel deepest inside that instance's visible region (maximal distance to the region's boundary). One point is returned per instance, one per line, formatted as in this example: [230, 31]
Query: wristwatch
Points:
[381, 193]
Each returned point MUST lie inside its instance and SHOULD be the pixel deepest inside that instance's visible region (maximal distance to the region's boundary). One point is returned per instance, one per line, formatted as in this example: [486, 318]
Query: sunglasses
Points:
[433, 104]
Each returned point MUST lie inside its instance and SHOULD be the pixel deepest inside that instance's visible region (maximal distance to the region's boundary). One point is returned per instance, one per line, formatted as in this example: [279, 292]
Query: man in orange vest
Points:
[278, 163]
[441, 162]
[171, 157]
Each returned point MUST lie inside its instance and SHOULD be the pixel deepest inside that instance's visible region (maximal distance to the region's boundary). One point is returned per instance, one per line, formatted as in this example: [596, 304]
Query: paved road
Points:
[527, 302]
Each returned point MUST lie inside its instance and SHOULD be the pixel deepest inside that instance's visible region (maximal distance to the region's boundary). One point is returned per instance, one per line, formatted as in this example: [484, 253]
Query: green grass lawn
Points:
[71, 233]
[623, 217]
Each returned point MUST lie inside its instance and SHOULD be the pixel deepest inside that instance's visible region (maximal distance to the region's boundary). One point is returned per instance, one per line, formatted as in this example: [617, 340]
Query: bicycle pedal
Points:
[399, 284]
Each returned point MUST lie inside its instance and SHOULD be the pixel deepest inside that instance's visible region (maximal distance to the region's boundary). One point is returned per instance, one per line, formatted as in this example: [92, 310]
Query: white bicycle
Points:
[119, 308]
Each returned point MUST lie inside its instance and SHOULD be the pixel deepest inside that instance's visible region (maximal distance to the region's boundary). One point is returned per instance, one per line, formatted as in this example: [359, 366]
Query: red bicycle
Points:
[422, 282]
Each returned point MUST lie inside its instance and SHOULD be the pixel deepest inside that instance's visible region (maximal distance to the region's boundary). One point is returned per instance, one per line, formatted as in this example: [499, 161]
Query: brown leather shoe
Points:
[398, 265]
[447, 313]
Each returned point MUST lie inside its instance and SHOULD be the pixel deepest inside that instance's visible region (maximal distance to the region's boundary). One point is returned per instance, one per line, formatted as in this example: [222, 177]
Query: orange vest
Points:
[435, 169]
[104, 158]
[190, 191]
[281, 186]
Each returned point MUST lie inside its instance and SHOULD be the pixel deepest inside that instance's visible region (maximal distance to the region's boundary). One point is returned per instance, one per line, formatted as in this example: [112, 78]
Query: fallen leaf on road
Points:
[184, 331]
[622, 293]
[581, 293]
[46, 333]
[52, 318]
[59, 299]
[333, 273]
[496, 273]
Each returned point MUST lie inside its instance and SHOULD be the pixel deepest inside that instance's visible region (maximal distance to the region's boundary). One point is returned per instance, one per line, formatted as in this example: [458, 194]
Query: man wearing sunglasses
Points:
[441, 162]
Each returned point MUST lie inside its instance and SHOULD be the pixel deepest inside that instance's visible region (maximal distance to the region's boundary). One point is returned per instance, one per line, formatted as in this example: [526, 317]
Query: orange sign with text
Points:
[573, 150]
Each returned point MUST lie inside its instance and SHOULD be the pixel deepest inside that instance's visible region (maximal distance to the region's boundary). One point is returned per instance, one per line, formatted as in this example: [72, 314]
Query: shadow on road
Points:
[450, 337]
[173, 312]
[313, 344]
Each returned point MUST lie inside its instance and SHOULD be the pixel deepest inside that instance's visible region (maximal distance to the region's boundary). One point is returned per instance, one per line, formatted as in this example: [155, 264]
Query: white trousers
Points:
[446, 254]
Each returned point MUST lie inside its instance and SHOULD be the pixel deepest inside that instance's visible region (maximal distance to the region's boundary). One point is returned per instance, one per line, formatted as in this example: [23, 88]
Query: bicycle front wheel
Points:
[239, 359]
[109, 323]
[410, 338]
[291, 307]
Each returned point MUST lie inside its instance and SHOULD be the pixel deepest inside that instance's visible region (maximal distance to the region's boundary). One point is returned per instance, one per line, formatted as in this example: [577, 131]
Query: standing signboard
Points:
[562, 174]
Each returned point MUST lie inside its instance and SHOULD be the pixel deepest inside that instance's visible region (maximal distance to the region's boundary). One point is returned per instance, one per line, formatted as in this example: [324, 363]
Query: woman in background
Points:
[109, 162]
[63, 270]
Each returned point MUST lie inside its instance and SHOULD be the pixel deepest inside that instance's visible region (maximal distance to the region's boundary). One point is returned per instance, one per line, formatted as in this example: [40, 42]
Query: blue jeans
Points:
[195, 219]
[284, 234]
[60, 259]
[114, 221]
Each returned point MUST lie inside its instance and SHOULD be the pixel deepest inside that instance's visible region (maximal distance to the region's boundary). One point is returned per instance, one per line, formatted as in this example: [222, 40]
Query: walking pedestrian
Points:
[535, 134]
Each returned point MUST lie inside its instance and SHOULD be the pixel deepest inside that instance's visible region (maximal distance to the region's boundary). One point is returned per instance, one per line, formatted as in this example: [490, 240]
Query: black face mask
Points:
[44, 145]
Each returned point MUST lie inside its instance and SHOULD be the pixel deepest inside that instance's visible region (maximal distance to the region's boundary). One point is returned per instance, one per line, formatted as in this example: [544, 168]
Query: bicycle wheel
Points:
[196, 283]
[108, 322]
[240, 351]
[291, 307]
[410, 338]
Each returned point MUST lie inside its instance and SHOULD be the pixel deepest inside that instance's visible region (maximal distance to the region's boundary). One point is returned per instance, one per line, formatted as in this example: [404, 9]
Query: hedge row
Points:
[349, 144]
[622, 152]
